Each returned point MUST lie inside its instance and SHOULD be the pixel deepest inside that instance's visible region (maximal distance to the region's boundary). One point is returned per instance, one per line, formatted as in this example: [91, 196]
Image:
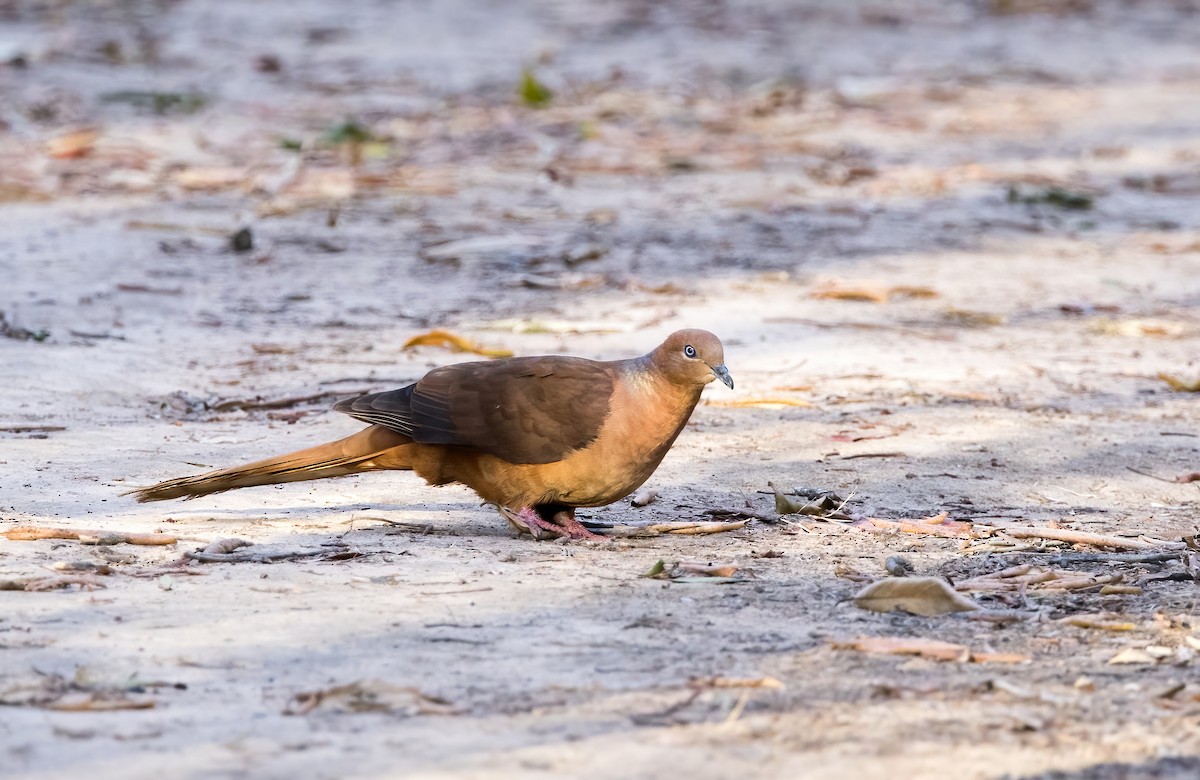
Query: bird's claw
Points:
[562, 526]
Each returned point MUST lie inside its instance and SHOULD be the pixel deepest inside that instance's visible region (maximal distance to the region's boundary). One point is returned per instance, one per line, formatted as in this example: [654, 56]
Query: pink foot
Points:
[562, 524]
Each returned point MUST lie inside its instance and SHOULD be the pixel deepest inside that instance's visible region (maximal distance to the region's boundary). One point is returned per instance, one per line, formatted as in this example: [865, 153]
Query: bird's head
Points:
[692, 357]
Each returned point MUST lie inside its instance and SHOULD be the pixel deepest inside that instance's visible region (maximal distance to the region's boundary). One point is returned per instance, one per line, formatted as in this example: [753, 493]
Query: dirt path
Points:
[1016, 194]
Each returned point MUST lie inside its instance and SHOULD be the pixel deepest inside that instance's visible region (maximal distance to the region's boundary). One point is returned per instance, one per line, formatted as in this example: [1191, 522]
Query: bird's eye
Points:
[689, 351]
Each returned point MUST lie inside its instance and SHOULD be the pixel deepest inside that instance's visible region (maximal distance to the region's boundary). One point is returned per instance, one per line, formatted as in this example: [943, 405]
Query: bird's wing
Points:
[522, 410]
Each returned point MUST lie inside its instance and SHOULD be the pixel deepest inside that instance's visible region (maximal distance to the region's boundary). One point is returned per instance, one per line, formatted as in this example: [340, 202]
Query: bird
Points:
[537, 437]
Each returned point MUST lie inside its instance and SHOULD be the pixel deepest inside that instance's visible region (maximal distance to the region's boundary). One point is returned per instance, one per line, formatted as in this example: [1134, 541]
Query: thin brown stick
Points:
[1078, 537]
[28, 533]
[247, 404]
[35, 584]
[1182, 479]
[31, 428]
[679, 528]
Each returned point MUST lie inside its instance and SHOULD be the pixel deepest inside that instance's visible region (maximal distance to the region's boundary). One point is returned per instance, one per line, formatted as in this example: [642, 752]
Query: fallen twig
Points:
[734, 682]
[938, 525]
[223, 551]
[660, 529]
[31, 428]
[248, 404]
[744, 513]
[1155, 557]
[1182, 479]
[1102, 622]
[36, 584]
[1081, 537]
[27, 533]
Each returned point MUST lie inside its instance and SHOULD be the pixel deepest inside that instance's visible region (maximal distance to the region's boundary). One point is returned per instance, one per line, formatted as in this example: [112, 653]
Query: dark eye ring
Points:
[689, 351]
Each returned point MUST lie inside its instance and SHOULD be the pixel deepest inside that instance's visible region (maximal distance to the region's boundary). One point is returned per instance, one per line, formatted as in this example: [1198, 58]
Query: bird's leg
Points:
[560, 523]
[564, 520]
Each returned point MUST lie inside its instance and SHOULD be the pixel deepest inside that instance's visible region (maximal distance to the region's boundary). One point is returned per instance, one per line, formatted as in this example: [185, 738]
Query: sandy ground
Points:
[1023, 177]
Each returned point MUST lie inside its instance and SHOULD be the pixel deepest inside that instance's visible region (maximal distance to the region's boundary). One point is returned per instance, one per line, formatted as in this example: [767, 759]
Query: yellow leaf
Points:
[1180, 385]
[455, 343]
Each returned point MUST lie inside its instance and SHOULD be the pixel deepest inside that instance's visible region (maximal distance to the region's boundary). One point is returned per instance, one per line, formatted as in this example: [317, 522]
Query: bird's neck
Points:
[651, 386]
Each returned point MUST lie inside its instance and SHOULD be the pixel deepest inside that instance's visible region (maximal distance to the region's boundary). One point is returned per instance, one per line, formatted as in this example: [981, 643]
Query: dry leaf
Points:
[863, 294]
[785, 504]
[1132, 655]
[1000, 658]
[898, 645]
[1180, 385]
[972, 319]
[214, 178]
[927, 596]
[455, 343]
[703, 569]
[1138, 327]
[906, 291]
[72, 145]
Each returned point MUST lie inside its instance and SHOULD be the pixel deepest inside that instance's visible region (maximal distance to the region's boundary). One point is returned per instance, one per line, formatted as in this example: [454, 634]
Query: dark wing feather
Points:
[523, 410]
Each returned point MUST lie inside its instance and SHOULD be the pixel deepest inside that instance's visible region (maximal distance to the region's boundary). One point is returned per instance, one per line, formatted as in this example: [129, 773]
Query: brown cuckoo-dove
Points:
[536, 436]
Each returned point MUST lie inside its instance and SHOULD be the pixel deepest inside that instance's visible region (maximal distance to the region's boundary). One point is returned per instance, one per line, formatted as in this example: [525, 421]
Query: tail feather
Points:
[373, 448]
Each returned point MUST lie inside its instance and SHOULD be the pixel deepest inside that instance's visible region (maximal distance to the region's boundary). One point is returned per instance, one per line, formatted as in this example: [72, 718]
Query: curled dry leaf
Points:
[644, 498]
[704, 569]
[816, 503]
[691, 570]
[1180, 385]
[225, 546]
[455, 343]
[927, 596]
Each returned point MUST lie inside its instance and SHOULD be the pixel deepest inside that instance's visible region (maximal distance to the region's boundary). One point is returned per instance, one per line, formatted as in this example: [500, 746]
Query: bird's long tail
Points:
[372, 448]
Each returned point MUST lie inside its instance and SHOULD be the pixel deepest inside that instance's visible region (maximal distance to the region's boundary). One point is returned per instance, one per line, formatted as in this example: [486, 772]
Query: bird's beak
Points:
[722, 373]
